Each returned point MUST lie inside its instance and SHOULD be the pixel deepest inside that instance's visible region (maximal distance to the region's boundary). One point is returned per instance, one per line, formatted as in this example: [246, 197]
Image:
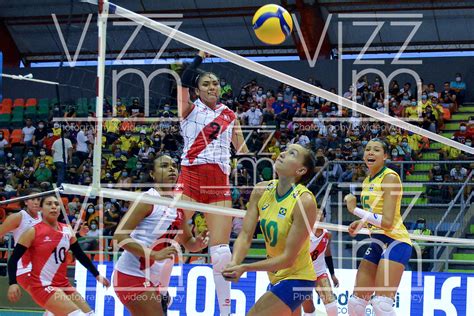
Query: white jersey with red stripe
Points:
[27, 221]
[48, 254]
[207, 136]
[154, 231]
[317, 249]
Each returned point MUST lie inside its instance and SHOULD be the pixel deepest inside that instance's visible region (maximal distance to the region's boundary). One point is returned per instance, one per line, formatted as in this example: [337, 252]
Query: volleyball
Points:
[272, 24]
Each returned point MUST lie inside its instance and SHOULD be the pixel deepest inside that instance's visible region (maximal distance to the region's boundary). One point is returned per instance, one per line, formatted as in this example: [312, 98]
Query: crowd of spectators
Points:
[275, 119]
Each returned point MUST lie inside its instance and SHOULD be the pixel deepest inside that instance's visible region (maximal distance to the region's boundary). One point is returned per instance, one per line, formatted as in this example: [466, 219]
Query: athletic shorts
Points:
[41, 294]
[129, 287]
[24, 280]
[384, 247]
[293, 292]
[322, 276]
[204, 183]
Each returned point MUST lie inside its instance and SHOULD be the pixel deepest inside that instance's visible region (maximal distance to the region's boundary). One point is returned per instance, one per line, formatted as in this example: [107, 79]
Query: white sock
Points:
[331, 308]
[220, 257]
[48, 313]
[77, 312]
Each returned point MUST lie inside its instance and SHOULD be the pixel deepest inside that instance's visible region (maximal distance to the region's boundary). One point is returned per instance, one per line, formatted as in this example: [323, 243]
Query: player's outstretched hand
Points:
[14, 293]
[335, 280]
[166, 253]
[355, 226]
[103, 280]
[351, 202]
[233, 272]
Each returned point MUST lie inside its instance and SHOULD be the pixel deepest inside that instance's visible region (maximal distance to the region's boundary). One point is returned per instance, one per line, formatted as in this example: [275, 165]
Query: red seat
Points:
[16, 136]
[31, 102]
[19, 102]
[6, 106]
[7, 101]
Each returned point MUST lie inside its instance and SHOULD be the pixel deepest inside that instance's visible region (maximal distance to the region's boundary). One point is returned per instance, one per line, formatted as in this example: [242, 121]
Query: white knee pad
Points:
[77, 313]
[383, 306]
[48, 313]
[357, 306]
[220, 257]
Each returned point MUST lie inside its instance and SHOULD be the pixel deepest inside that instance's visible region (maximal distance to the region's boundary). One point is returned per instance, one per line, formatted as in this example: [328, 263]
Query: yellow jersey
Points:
[372, 200]
[275, 214]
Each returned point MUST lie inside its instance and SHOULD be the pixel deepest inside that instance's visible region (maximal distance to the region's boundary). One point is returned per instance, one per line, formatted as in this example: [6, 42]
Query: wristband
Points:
[372, 218]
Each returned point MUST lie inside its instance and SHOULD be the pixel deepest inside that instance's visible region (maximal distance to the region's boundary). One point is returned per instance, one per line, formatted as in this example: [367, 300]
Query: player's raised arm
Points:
[185, 105]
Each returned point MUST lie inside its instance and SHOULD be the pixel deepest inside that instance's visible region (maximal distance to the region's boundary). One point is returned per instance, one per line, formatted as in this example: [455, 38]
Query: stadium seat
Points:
[31, 102]
[17, 119]
[16, 136]
[423, 166]
[6, 106]
[430, 156]
[417, 178]
[19, 102]
[30, 112]
[7, 101]
[5, 120]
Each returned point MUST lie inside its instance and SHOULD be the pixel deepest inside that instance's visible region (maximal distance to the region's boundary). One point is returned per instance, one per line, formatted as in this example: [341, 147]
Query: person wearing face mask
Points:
[39, 134]
[424, 102]
[43, 173]
[429, 120]
[253, 116]
[287, 94]
[259, 96]
[459, 87]
[422, 230]
[58, 157]
[90, 241]
[3, 144]
[47, 159]
[280, 108]
[28, 132]
[411, 112]
[462, 134]
[295, 108]
[394, 137]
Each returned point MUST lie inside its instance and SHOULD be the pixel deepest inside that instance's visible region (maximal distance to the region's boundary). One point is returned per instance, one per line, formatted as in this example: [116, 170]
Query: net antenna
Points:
[269, 72]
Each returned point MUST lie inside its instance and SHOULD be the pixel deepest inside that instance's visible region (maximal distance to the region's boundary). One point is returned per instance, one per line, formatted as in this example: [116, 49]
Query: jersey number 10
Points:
[59, 255]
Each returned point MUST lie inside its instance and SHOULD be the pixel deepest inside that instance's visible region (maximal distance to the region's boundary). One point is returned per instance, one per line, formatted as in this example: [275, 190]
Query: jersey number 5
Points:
[270, 231]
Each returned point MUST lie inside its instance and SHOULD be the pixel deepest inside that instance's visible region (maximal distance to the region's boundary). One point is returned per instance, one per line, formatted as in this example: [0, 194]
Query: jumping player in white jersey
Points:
[47, 244]
[209, 128]
[146, 233]
[320, 252]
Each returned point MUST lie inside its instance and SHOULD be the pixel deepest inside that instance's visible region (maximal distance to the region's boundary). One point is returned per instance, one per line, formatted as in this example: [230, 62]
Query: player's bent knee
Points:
[357, 306]
[220, 257]
[383, 306]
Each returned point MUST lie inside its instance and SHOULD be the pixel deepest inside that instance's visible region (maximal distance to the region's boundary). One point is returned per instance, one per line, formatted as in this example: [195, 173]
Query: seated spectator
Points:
[27, 132]
[347, 148]
[144, 152]
[346, 176]
[260, 97]
[295, 108]
[226, 89]
[422, 230]
[438, 193]
[136, 109]
[3, 145]
[396, 108]
[394, 138]
[431, 91]
[416, 143]
[406, 89]
[457, 174]
[462, 135]
[424, 102]
[450, 94]
[406, 102]
[43, 173]
[411, 112]
[255, 143]
[111, 218]
[301, 138]
[395, 156]
[459, 87]
[90, 242]
[39, 135]
[288, 94]
[429, 120]
[253, 116]
[124, 181]
[449, 153]
[48, 159]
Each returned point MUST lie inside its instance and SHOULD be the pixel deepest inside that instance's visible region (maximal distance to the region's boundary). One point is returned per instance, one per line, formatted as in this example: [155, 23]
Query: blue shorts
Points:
[293, 292]
[384, 247]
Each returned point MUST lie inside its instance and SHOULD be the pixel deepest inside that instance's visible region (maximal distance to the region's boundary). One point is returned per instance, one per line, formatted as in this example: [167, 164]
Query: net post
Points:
[103, 11]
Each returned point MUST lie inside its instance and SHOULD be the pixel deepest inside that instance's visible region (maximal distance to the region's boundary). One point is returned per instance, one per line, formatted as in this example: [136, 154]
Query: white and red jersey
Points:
[27, 221]
[153, 231]
[48, 255]
[317, 249]
[207, 136]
